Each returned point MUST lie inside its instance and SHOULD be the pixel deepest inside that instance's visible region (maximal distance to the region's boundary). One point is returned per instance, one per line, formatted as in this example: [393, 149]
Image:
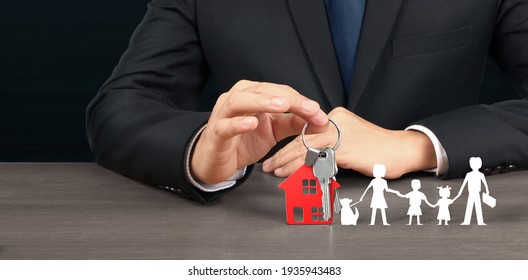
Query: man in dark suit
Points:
[410, 102]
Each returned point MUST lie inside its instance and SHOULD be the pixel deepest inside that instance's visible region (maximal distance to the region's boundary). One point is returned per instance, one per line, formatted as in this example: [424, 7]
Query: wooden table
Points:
[83, 211]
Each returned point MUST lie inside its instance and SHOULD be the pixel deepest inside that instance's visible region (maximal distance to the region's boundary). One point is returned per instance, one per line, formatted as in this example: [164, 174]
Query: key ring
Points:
[338, 135]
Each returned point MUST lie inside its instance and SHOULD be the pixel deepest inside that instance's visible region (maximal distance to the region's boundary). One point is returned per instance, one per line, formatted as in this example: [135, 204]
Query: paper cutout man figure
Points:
[379, 185]
[348, 217]
[473, 180]
[443, 205]
[415, 201]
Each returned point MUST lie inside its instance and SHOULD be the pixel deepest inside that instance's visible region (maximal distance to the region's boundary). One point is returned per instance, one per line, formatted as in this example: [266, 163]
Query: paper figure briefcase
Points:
[489, 200]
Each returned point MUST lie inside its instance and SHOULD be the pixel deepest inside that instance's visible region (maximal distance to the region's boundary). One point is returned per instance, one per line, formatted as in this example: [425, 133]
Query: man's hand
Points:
[246, 123]
[363, 145]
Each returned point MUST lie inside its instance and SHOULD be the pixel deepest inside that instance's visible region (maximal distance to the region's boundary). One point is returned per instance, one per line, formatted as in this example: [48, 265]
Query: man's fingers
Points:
[245, 102]
[299, 105]
[226, 129]
[243, 84]
[286, 125]
[214, 158]
[220, 135]
[289, 168]
[294, 151]
[269, 98]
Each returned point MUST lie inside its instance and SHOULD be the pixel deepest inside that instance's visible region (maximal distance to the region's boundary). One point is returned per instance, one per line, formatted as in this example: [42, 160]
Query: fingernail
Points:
[278, 101]
[309, 105]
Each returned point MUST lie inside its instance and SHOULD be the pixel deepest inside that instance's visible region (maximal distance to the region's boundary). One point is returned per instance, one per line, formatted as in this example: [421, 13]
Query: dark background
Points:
[54, 56]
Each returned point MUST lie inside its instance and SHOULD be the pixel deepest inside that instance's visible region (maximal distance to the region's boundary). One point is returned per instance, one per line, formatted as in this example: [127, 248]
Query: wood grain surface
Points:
[83, 211]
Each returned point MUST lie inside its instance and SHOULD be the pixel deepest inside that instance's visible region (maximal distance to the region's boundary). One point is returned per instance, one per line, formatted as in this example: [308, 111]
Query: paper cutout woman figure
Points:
[348, 217]
[473, 180]
[378, 185]
[415, 201]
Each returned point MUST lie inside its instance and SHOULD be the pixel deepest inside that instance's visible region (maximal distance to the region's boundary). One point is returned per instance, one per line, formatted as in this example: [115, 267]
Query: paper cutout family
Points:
[311, 193]
[474, 181]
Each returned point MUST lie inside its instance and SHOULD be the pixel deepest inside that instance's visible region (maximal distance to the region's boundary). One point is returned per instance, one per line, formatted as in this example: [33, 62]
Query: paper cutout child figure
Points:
[378, 185]
[473, 180]
[348, 217]
[443, 205]
[415, 201]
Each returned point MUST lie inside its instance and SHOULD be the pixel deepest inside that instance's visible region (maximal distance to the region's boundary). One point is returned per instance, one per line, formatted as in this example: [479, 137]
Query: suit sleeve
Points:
[142, 119]
[497, 133]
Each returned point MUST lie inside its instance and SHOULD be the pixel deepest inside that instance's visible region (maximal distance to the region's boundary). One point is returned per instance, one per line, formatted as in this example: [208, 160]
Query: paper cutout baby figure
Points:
[415, 201]
[348, 217]
[379, 186]
[473, 180]
[443, 205]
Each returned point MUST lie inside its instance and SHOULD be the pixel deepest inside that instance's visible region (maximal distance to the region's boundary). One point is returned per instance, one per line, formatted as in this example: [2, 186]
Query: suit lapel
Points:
[377, 26]
[312, 25]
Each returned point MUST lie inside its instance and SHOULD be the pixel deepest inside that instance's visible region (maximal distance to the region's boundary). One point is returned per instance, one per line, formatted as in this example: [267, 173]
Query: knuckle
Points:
[217, 130]
[277, 156]
[259, 87]
[298, 147]
[231, 98]
[338, 112]
[293, 165]
[223, 97]
[242, 84]
[289, 89]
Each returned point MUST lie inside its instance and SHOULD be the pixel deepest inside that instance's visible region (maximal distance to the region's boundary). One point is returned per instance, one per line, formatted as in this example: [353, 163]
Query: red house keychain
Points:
[311, 191]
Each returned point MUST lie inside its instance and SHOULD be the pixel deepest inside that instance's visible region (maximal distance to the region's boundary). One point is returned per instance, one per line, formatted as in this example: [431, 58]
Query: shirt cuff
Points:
[442, 162]
[231, 181]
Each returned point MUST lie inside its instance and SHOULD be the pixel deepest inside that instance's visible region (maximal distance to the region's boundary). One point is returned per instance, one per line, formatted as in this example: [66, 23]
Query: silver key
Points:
[324, 169]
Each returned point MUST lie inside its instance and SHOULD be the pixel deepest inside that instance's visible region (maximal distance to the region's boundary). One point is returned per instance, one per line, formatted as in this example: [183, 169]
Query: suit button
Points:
[509, 168]
[497, 170]
[487, 171]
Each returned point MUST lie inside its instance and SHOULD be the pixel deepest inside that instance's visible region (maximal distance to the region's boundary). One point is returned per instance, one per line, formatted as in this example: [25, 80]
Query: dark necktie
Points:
[345, 18]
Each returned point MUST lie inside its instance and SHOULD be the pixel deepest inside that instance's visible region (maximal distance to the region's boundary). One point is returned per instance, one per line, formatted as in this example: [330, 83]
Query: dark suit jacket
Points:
[419, 62]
